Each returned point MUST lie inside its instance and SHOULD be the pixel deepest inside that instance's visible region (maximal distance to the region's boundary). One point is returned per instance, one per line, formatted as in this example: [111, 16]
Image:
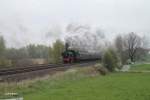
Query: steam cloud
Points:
[84, 38]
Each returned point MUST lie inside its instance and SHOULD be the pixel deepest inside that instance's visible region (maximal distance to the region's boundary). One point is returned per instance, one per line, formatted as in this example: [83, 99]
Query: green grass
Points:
[76, 86]
[141, 67]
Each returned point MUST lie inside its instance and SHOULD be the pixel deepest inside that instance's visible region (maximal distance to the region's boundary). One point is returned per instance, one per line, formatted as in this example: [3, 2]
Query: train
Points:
[73, 55]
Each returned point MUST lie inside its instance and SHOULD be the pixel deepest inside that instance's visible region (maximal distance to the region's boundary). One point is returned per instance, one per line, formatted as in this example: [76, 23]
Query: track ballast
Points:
[21, 73]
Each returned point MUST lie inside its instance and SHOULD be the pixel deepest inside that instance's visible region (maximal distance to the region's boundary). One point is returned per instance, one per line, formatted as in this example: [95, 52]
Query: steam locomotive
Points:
[72, 56]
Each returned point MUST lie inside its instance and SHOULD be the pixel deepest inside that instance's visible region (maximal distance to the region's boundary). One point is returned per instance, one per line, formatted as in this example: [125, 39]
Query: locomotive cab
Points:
[69, 56]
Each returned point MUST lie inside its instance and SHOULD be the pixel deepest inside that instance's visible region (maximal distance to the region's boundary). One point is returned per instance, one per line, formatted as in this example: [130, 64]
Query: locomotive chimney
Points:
[66, 46]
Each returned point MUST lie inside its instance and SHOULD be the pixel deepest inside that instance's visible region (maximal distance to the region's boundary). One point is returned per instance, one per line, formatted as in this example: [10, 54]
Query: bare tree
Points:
[119, 46]
[119, 43]
[131, 43]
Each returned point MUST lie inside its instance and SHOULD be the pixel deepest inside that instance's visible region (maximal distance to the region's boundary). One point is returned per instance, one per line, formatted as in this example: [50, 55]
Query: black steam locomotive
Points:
[71, 56]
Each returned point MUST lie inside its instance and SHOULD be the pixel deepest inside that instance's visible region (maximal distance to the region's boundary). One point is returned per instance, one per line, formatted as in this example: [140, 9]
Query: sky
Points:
[43, 21]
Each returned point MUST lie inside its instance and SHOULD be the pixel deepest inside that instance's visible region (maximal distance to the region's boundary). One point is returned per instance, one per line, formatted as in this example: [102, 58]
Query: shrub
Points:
[102, 70]
[111, 60]
[5, 63]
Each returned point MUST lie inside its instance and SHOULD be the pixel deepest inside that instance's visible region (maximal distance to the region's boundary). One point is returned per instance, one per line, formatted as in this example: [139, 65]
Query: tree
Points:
[3, 60]
[32, 50]
[131, 43]
[37, 51]
[119, 44]
[50, 56]
[142, 54]
[110, 60]
[42, 51]
[2, 47]
[58, 48]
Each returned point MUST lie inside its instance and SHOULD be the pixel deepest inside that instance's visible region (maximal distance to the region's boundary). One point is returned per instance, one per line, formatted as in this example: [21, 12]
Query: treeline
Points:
[11, 56]
[29, 51]
[124, 49]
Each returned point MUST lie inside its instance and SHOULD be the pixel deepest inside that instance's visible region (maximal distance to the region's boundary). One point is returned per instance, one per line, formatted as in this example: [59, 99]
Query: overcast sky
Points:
[28, 21]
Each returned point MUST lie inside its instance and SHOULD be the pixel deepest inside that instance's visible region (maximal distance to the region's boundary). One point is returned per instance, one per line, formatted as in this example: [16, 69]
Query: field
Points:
[141, 67]
[76, 86]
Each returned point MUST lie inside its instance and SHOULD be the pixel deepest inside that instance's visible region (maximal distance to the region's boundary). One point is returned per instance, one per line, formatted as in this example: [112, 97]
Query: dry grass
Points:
[73, 74]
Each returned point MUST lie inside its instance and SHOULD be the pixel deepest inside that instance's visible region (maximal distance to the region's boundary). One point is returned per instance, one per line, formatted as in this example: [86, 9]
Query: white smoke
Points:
[85, 38]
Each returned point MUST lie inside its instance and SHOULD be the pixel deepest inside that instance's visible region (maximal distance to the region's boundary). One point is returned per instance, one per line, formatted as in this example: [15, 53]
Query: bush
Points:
[102, 70]
[5, 63]
[111, 60]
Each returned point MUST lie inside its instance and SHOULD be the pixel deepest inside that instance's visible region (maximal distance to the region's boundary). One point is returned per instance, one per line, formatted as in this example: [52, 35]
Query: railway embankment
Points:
[31, 72]
[83, 83]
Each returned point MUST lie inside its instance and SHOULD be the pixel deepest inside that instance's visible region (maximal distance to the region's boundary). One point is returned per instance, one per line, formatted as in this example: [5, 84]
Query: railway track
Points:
[17, 70]
[21, 73]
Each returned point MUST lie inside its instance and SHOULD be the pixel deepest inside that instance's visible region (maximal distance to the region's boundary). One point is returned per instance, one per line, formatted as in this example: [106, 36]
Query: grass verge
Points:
[141, 67]
[84, 84]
